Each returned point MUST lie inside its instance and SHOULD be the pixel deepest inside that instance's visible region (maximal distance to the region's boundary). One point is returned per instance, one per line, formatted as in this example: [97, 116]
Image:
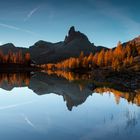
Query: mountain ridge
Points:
[73, 44]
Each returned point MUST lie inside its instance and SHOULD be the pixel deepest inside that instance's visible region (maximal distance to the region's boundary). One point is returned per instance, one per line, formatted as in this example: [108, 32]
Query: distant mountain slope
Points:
[11, 47]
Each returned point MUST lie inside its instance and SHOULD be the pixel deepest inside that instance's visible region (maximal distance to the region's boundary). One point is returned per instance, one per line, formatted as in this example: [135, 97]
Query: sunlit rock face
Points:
[135, 41]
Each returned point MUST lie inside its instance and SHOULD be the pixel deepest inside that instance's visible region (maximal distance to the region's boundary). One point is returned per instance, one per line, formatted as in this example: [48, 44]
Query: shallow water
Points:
[66, 114]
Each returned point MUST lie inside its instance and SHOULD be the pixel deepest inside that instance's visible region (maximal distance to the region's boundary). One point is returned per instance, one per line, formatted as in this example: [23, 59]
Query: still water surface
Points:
[71, 114]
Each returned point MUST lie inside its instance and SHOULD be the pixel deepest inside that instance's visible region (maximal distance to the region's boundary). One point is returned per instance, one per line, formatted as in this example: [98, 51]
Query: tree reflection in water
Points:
[10, 80]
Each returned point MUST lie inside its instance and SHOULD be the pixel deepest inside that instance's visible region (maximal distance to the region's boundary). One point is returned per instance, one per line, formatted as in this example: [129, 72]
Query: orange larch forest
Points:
[116, 59]
[15, 58]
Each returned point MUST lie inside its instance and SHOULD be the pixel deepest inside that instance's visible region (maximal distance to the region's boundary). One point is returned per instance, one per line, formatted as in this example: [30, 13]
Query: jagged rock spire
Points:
[72, 34]
[71, 30]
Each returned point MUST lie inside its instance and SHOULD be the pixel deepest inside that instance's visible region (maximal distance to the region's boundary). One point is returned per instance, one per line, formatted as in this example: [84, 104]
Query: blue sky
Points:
[105, 22]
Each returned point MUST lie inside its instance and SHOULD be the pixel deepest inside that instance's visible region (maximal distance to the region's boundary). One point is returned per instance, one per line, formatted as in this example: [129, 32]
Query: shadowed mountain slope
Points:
[74, 43]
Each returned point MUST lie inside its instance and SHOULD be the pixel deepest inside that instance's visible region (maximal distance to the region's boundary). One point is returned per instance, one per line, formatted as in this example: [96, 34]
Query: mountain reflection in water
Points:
[75, 88]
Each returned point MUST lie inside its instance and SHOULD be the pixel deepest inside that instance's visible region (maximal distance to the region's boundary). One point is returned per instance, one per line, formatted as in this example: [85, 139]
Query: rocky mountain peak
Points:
[71, 31]
[73, 34]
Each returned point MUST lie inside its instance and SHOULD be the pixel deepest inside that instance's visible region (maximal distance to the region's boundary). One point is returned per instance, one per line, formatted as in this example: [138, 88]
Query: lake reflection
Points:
[92, 112]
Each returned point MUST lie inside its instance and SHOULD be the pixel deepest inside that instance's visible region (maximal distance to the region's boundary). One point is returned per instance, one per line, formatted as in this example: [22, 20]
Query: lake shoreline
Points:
[124, 79]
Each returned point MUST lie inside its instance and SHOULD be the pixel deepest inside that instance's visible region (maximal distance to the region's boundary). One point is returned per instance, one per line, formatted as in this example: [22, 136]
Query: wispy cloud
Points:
[17, 28]
[28, 121]
[31, 13]
[9, 26]
[15, 105]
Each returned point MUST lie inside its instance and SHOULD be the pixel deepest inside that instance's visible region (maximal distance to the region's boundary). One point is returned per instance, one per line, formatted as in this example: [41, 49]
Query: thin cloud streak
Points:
[15, 105]
[9, 26]
[17, 28]
[28, 121]
[31, 13]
